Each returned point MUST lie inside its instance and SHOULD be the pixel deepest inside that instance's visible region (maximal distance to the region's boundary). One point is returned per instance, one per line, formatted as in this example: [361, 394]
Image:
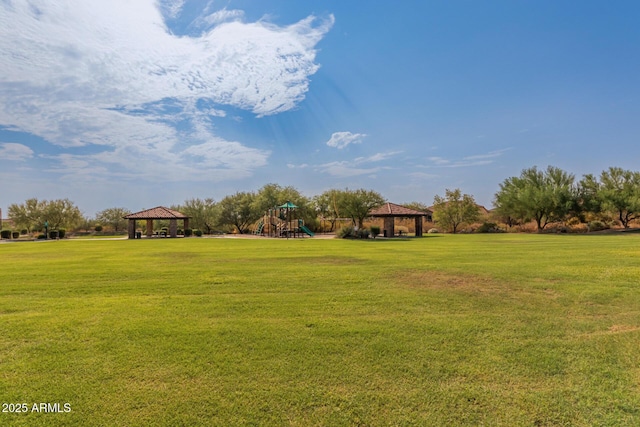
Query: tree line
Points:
[553, 195]
[544, 196]
[237, 212]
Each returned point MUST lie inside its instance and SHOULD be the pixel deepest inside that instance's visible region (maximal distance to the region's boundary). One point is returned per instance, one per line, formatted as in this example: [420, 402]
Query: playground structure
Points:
[282, 221]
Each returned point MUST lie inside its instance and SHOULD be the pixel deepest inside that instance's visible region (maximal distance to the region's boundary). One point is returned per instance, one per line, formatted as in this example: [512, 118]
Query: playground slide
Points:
[306, 230]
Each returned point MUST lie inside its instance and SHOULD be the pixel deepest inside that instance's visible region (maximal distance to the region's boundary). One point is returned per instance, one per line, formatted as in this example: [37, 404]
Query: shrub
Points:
[188, 232]
[375, 230]
[24, 231]
[98, 228]
[597, 226]
[5, 234]
[489, 227]
[346, 232]
[573, 221]
[15, 234]
[197, 233]
[61, 233]
[41, 237]
[363, 233]
[53, 234]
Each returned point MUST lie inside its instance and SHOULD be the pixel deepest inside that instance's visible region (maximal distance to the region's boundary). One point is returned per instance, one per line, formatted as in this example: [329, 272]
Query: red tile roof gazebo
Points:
[391, 211]
[159, 212]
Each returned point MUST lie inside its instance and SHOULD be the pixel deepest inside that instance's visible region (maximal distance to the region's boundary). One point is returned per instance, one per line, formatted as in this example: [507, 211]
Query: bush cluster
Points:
[346, 232]
[363, 233]
[349, 232]
[5, 234]
[489, 227]
[597, 226]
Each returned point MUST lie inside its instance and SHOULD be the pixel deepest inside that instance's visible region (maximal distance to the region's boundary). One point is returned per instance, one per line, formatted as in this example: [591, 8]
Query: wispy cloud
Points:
[487, 156]
[347, 169]
[358, 166]
[113, 76]
[340, 140]
[467, 161]
[439, 161]
[12, 151]
[219, 17]
[422, 175]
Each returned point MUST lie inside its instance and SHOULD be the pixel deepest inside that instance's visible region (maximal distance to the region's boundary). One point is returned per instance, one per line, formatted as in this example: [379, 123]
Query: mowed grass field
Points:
[496, 330]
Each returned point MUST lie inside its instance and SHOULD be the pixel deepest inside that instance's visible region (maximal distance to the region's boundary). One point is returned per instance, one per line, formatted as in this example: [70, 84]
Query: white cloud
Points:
[172, 8]
[474, 160]
[340, 140]
[15, 152]
[347, 169]
[354, 167]
[490, 155]
[219, 17]
[438, 160]
[111, 74]
[422, 175]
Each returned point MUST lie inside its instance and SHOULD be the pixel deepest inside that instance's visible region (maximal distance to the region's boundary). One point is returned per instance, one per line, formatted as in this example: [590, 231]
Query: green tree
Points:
[455, 209]
[272, 195]
[326, 206]
[113, 217]
[419, 206]
[33, 213]
[238, 211]
[544, 196]
[28, 215]
[203, 213]
[61, 213]
[617, 191]
[356, 204]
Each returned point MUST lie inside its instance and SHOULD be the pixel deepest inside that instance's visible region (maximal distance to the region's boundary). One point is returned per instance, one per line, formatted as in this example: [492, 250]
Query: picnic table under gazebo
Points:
[157, 213]
[391, 211]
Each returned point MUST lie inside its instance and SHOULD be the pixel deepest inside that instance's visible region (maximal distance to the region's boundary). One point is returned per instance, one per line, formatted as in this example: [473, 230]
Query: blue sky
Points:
[147, 103]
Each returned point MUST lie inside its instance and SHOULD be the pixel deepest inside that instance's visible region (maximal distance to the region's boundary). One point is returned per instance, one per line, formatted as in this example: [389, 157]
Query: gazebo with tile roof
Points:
[391, 211]
[159, 212]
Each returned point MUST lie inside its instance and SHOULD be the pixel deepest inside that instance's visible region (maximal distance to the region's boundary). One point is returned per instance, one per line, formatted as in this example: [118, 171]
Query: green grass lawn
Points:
[496, 330]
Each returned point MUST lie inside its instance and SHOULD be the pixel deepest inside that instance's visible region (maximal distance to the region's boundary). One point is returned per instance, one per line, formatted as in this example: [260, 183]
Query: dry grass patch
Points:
[438, 280]
[619, 329]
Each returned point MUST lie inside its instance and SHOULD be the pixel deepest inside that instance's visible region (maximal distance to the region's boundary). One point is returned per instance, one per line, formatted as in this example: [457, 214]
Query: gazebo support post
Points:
[149, 227]
[389, 226]
[173, 228]
[132, 229]
[418, 226]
